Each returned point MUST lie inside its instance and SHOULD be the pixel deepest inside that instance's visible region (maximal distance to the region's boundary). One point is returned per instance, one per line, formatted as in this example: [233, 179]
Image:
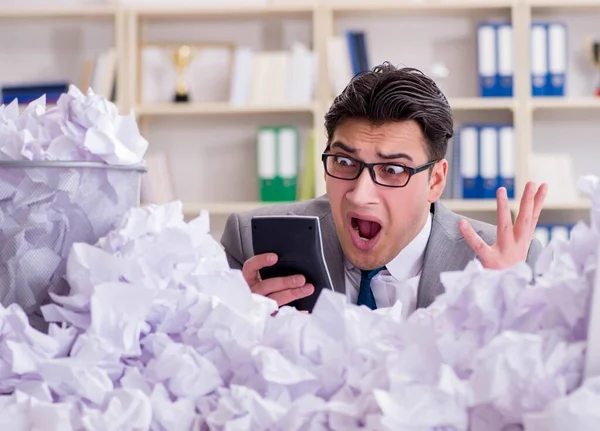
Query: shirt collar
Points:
[408, 262]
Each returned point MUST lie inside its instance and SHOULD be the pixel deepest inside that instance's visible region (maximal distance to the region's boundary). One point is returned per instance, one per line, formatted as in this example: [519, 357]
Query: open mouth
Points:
[366, 229]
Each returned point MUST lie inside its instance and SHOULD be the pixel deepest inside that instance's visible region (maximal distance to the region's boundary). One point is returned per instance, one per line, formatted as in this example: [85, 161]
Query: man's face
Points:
[373, 222]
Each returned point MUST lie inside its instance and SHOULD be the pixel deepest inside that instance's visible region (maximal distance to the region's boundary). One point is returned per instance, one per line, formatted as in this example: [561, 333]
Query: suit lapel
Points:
[331, 245]
[446, 251]
[333, 253]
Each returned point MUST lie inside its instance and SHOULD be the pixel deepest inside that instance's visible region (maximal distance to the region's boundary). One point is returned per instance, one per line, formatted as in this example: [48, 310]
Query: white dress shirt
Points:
[399, 281]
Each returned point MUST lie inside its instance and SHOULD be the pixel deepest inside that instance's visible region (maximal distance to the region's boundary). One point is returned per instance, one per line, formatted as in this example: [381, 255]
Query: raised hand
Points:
[512, 242]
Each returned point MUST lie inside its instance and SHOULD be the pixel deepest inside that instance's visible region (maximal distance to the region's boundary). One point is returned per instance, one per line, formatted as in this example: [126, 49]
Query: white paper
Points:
[165, 336]
[46, 209]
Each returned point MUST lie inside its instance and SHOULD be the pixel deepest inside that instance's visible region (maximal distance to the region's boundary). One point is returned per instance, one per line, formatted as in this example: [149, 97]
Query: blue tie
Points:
[365, 294]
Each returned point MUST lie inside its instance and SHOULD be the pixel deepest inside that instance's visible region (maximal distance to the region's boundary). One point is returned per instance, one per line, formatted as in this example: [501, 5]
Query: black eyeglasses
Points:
[385, 174]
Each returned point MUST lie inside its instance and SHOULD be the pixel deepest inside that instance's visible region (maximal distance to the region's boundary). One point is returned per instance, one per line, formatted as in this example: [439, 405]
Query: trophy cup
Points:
[594, 53]
[182, 58]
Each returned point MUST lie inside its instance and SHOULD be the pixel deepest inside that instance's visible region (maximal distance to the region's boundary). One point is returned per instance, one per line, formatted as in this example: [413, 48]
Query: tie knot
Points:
[369, 274]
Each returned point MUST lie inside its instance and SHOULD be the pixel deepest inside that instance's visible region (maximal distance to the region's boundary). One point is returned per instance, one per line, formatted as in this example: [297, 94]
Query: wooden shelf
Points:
[577, 205]
[164, 109]
[562, 4]
[183, 10]
[477, 103]
[480, 205]
[456, 205]
[194, 11]
[355, 6]
[492, 103]
[470, 205]
[565, 103]
[58, 11]
[223, 208]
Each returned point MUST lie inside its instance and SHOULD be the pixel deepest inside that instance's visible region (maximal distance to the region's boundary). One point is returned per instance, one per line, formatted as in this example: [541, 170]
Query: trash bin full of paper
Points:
[47, 206]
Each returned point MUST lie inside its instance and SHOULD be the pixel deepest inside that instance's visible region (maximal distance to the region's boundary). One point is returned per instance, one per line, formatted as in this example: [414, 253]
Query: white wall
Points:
[45, 50]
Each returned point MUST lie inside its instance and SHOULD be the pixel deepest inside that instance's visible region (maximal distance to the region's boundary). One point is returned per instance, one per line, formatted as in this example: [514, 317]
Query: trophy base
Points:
[181, 98]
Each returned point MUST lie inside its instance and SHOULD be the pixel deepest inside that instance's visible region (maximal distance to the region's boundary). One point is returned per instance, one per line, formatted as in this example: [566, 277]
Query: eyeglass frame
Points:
[371, 167]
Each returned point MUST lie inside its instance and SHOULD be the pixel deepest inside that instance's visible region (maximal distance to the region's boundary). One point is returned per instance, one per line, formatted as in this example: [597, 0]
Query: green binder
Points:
[306, 176]
[288, 165]
[266, 152]
[277, 163]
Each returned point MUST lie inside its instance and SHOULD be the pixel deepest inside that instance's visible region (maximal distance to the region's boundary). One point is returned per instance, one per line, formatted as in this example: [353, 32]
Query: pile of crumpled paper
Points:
[81, 127]
[67, 174]
[157, 333]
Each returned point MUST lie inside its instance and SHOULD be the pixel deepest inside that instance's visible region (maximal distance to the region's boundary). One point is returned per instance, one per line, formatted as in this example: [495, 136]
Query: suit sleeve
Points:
[231, 240]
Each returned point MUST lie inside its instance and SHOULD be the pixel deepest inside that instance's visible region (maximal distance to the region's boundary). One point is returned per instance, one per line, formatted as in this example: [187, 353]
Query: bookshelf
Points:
[58, 11]
[221, 208]
[217, 108]
[457, 205]
[570, 103]
[193, 11]
[583, 5]
[478, 103]
[416, 7]
[568, 124]
[196, 132]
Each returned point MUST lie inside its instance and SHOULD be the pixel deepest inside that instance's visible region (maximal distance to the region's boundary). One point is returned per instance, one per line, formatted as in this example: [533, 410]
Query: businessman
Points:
[386, 236]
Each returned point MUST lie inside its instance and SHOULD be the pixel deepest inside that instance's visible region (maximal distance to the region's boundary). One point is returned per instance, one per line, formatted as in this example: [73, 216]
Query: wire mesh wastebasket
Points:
[47, 206]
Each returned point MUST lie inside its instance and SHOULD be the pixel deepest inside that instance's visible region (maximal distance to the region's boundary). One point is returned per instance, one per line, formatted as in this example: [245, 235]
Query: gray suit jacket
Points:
[446, 249]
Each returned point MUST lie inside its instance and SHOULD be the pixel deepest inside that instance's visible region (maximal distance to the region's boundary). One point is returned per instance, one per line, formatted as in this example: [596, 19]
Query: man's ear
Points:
[437, 180]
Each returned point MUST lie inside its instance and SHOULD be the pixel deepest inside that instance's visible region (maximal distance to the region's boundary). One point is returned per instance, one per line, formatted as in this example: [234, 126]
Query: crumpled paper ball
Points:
[67, 174]
[157, 333]
[81, 127]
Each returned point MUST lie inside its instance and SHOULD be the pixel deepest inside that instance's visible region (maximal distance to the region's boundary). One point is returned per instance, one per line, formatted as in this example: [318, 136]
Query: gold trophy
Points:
[182, 58]
[594, 55]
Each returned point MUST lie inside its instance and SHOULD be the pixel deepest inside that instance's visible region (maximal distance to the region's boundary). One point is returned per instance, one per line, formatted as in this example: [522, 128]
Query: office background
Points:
[519, 75]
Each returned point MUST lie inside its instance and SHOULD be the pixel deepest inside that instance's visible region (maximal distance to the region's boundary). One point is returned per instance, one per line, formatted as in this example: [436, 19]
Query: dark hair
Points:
[387, 94]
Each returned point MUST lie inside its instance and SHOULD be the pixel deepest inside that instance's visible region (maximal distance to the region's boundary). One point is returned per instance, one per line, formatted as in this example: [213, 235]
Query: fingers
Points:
[538, 204]
[474, 241]
[523, 220]
[256, 263]
[282, 289]
[505, 227]
[278, 284]
[529, 211]
[286, 296]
